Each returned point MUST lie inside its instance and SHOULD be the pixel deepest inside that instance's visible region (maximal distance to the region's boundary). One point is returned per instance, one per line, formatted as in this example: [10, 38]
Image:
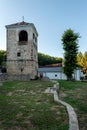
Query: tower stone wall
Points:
[22, 44]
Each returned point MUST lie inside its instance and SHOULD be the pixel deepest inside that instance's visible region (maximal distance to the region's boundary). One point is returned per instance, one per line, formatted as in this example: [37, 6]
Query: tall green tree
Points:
[70, 46]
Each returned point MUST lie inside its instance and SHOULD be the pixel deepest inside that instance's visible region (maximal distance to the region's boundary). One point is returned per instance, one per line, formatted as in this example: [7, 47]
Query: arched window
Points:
[23, 36]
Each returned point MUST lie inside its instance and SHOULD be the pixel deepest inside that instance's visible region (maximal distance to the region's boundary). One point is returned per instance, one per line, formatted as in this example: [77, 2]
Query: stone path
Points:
[73, 122]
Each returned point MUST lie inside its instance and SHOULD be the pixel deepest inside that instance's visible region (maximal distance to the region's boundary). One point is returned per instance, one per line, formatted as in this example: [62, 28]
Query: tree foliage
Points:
[82, 61]
[70, 46]
[44, 59]
[2, 56]
[79, 59]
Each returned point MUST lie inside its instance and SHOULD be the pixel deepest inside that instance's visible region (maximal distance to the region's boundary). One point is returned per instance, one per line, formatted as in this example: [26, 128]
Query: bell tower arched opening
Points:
[23, 36]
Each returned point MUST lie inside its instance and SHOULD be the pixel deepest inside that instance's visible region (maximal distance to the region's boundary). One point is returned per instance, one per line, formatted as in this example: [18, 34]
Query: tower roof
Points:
[14, 25]
[17, 24]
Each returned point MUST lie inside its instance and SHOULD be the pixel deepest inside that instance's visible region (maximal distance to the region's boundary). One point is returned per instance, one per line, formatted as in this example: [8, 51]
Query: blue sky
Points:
[51, 18]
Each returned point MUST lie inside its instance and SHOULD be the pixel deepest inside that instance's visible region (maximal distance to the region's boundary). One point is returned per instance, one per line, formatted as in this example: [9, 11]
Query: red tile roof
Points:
[52, 65]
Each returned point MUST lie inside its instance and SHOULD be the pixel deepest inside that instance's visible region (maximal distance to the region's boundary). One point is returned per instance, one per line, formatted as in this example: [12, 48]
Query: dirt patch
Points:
[19, 115]
[10, 94]
[63, 94]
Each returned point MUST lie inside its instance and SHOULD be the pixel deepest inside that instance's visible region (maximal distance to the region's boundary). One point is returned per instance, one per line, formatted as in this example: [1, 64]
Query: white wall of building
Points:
[52, 75]
[60, 75]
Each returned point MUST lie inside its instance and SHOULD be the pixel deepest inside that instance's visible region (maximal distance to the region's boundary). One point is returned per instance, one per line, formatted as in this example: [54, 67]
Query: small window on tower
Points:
[35, 39]
[18, 54]
[33, 36]
[23, 36]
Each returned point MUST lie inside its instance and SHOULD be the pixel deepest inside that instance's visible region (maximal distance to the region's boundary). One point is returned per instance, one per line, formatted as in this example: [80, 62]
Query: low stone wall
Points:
[73, 121]
[6, 77]
[3, 77]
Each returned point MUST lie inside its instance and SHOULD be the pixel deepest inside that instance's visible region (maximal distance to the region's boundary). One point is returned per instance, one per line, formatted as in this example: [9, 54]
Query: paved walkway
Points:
[73, 122]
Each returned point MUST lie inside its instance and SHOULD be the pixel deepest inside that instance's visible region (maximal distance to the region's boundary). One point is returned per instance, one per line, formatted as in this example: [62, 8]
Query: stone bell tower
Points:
[22, 49]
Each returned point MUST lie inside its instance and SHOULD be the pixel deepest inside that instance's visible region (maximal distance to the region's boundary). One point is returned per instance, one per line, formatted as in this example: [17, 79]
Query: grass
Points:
[75, 93]
[25, 106]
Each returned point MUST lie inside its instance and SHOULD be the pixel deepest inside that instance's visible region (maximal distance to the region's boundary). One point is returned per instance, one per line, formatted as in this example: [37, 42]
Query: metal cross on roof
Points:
[23, 18]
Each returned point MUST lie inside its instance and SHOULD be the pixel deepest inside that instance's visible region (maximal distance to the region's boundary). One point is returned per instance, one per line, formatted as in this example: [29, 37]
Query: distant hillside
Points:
[44, 59]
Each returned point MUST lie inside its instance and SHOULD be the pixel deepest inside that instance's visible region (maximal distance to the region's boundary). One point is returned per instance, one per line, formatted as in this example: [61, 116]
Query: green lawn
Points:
[75, 93]
[25, 106]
